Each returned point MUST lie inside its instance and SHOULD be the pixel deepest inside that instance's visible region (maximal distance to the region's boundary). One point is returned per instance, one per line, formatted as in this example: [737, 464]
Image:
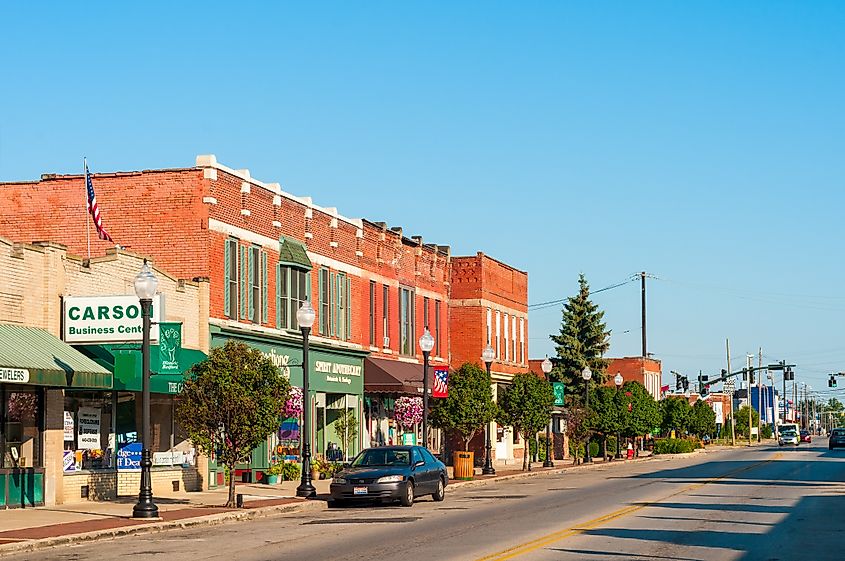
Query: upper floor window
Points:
[372, 313]
[385, 315]
[292, 290]
[407, 307]
[325, 305]
[256, 285]
[437, 351]
[230, 279]
[342, 312]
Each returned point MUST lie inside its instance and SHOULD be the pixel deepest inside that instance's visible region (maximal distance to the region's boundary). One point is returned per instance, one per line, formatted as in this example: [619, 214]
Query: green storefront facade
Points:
[336, 387]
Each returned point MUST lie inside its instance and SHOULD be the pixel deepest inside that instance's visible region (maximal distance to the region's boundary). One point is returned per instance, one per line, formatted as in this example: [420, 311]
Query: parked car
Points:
[805, 436]
[391, 473]
[837, 439]
[788, 437]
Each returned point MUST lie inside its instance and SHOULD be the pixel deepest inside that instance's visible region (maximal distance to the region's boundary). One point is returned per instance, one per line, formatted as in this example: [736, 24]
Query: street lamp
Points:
[145, 287]
[546, 365]
[426, 344]
[487, 355]
[587, 374]
[305, 318]
[618, 381]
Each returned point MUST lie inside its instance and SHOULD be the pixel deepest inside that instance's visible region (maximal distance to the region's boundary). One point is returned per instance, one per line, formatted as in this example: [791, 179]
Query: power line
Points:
[550, 303]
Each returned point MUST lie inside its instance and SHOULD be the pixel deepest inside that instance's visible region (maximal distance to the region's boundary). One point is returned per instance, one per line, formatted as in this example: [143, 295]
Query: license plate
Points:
[360, 491]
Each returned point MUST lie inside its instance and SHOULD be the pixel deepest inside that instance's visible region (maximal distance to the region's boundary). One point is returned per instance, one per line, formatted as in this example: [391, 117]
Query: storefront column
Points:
[54, 424]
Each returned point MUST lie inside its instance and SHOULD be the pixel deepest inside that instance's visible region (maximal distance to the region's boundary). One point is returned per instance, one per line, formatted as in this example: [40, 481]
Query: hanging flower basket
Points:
[408, 411]
[293, 406]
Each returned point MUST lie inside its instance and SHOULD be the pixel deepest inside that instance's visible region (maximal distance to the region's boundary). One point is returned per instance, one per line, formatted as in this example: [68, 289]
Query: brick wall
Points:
[108, 485]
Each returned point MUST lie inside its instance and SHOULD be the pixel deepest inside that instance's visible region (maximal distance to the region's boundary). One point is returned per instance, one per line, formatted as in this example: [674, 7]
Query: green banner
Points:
[558, 388]
[169, 348]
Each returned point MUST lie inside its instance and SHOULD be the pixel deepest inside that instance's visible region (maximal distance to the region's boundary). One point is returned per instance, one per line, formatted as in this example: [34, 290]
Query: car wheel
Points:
[440, 494]
[407, 498]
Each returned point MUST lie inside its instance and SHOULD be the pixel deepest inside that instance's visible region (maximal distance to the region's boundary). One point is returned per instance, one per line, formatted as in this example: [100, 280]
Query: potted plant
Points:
[273, 473]
[316, 465]
[291, 471]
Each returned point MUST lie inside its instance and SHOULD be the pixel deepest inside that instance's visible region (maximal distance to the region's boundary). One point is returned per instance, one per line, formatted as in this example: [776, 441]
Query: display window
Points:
[88, 431]
[23, 415]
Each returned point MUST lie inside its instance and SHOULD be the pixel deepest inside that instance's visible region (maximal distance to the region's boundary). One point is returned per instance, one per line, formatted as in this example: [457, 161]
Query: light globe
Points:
[305, 315]
[426, 342]
[146, 283]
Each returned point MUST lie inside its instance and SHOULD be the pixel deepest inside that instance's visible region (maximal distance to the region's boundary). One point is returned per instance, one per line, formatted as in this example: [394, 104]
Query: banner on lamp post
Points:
[169, 347]
[558, 388]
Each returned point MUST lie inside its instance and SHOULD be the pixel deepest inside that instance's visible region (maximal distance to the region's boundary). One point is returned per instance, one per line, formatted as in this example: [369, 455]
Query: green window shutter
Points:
[308, 288]
[251, 277]
[227, 278]
[332, 312]
[323, 323]
[243, 279]
[279, 303]
[348, 309]
[264, 307]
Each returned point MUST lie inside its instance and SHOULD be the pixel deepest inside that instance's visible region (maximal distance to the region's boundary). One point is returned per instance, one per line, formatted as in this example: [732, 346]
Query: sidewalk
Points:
[35, 528]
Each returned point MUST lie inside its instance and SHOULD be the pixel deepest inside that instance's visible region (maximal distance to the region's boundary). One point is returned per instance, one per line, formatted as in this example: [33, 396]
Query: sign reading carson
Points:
[108, 319]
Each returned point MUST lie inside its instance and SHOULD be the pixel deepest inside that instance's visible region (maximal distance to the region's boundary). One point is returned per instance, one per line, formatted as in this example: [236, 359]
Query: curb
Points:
[262, 512]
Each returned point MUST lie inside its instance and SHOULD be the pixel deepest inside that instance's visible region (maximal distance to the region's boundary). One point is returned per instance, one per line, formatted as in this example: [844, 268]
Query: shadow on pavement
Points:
[587, 553]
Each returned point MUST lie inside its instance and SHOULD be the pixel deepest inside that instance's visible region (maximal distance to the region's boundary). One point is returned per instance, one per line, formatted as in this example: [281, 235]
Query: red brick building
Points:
[264, 251]
[647, 371]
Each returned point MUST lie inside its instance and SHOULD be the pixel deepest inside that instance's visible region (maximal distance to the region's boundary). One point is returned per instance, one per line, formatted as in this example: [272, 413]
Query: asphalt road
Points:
[762, 503]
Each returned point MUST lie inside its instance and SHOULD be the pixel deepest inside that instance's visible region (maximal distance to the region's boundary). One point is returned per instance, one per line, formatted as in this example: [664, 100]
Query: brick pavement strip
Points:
[41, 537]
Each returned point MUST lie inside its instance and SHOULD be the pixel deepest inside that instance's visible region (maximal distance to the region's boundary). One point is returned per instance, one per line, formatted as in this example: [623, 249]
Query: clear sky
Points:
[699, 141]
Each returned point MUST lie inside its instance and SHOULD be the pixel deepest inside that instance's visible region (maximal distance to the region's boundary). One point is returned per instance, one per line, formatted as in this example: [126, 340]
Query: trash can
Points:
[463, 465]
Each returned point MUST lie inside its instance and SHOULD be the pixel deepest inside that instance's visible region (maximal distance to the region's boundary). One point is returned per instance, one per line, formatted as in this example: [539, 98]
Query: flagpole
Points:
[87, 210]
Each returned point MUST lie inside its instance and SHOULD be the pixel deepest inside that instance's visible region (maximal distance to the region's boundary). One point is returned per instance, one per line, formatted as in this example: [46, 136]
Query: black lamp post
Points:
[587, 374]
[487, 355]
[305, 318]
[618, 381]
[426, 344]
[546, 365]
[145, 287]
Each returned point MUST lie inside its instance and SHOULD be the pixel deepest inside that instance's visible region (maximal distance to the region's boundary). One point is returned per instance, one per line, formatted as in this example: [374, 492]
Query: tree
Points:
[640, 411]
[676, 413]
[703, 419]
[742, 420]
[526, 405]
[346, 429]
[606, 406]
[231, 403]
[577, 420]
[582, 341]
[469, 405]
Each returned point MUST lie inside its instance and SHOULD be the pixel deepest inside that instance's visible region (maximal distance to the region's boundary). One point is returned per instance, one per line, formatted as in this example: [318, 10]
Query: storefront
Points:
[34, 367]
[336, 385]
[102, 441]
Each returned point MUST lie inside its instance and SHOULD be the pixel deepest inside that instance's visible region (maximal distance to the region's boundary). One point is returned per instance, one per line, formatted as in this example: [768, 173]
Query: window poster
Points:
[88, 420]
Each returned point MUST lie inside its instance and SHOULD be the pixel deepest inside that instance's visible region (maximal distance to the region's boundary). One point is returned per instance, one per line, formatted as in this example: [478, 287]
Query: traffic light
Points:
[831, 383]
[685, 382]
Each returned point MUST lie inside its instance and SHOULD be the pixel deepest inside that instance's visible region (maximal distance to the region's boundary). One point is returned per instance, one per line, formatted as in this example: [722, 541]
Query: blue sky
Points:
[699, 141]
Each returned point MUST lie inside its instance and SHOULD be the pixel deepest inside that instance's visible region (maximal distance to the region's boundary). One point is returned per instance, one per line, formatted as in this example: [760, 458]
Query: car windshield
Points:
[837, 432]
[789, 433]
[382, 457]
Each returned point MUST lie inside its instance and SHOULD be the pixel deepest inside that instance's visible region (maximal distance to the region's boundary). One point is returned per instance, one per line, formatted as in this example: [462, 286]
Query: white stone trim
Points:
[245, 212]
[308, 235]
[277, 224]
[243, 234]
[323, 261]
[245, 188]
[332, 244]
[359, 233]
[277, 200]
[485, 303]
[309, 212]
[209, 173]
[359, 253]
[276, 332]
[333, 223]
[209, 200]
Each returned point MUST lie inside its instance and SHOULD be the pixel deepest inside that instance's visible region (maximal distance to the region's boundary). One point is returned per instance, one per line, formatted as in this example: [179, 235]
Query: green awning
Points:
[293, 253]
[126, 363]
[29, 355]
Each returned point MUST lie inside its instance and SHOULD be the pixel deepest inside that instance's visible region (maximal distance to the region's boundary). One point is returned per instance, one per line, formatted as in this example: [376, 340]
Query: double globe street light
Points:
[587, 374]
[305, 318]
[145, 288]
[488, 355]
[546, 365]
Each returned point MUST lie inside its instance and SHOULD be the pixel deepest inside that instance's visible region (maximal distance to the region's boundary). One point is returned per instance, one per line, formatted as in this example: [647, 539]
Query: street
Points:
[760, 503]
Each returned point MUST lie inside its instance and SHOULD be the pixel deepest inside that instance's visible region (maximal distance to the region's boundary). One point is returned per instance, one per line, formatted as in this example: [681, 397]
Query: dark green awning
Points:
[29, 355]
[293, 253]
[126, 363]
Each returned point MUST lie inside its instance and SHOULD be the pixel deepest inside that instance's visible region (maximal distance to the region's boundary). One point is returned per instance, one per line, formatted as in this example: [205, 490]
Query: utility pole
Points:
[731, 394]
[749, 373]
[642, 282]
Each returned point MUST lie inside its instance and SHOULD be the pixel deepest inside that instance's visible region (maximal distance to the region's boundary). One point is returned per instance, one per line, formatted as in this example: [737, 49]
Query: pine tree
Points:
[583, 340]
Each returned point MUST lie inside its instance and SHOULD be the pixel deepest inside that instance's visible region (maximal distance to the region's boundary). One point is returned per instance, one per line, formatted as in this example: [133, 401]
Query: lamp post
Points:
[426, 344]
[487, 355]
[305, 318]
[546, 365]
[587, 374]
[145, 287]
[618, 381]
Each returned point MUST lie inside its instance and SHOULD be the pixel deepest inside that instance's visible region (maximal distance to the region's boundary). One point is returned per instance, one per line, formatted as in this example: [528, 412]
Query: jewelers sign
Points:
[108, 319]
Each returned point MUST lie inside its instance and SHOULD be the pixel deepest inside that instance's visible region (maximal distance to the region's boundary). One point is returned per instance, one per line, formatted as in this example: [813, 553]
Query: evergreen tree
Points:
[582, 341]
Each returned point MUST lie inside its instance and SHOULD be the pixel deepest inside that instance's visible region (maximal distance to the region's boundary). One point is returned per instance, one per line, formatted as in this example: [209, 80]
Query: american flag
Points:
[94, 209]
[441, 382]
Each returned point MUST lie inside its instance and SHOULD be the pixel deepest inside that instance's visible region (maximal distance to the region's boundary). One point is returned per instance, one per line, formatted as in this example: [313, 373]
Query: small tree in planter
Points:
[231, 403]
[469, 405]
[346, 429]
[526, 405]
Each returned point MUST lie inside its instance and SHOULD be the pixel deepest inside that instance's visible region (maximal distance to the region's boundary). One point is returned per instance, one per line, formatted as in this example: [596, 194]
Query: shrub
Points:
[767, 431]
[290, 471]
[673, 446]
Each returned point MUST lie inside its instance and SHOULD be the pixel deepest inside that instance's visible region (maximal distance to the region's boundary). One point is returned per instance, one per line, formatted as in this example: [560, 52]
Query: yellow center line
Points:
[559, 535]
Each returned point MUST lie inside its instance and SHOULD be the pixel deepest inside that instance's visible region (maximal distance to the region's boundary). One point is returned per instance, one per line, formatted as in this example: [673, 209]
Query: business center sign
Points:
[107, 319]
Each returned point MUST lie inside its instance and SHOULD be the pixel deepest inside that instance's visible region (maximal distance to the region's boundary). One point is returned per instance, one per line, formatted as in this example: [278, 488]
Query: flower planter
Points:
[272, 479]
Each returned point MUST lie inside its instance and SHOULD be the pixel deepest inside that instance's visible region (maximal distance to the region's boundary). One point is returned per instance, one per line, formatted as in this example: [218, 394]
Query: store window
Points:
[166, 433]
[23, 412]
[88, 423]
